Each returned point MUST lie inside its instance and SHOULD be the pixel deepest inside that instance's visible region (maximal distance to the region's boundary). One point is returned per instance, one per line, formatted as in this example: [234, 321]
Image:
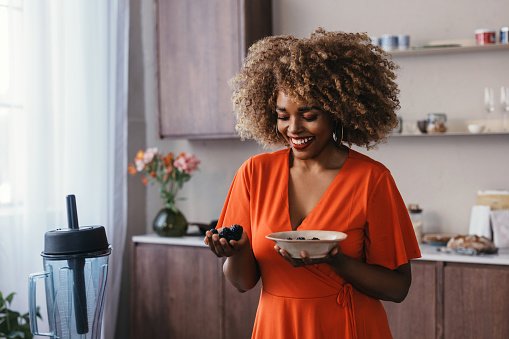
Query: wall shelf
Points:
[446, 134]
[455, 128]
[449, 50]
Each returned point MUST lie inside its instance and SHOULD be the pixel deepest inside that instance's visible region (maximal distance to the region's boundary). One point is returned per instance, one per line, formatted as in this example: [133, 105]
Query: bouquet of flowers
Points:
[169, 171]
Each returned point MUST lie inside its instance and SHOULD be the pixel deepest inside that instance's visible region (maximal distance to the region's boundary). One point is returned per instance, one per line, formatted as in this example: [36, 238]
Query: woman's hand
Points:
[240, 267]
[334, 254]
[221, 247]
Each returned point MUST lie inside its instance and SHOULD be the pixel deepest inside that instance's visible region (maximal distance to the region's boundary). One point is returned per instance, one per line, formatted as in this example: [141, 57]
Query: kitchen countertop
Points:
[428, 252]
[187, 240]
[432, 253]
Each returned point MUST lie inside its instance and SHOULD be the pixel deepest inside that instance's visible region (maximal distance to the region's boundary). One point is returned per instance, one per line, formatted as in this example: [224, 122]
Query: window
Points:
[11, 98]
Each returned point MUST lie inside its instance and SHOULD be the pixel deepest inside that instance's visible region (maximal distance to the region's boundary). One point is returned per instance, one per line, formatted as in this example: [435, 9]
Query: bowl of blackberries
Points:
[234, 232]
[316, 243]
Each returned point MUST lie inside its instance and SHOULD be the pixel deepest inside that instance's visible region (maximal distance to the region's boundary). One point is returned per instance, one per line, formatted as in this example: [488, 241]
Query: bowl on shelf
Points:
[422, 124]
[475, 128]
[316, 243]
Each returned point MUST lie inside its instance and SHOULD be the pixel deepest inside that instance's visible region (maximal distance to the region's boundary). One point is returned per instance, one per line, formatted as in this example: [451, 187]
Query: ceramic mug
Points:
[485, 36]
[389, 42]
[403, 41]
[504, 39]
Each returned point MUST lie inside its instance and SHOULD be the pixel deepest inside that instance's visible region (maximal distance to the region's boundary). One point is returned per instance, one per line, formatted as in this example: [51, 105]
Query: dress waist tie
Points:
[344, 299]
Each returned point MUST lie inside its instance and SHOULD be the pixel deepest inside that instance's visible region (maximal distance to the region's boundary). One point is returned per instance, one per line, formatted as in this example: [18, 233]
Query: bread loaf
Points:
[474, 242]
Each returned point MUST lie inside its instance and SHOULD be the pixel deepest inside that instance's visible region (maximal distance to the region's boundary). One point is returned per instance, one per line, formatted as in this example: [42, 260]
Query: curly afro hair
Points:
[351, 79]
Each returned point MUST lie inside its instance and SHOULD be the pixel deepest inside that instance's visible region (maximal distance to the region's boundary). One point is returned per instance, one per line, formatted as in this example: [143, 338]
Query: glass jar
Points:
[416, 218]
[436, 123]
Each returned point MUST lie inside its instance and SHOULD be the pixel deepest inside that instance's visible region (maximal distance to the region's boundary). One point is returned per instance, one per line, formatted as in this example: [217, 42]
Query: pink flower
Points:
[192, 162]
[149, 154]
[140, 164]
[186, 163]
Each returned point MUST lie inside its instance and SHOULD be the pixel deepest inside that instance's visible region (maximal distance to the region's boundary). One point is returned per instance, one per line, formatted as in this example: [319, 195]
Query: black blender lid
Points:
[75, 240]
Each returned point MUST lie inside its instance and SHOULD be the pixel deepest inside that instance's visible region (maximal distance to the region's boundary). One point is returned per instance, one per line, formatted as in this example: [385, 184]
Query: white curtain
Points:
[68, 135]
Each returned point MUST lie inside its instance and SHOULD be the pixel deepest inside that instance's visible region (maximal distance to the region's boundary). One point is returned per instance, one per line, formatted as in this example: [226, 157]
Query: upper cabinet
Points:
[200, 45]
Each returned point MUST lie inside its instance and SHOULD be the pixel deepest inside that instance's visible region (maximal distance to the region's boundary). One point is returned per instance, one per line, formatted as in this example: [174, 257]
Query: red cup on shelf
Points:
[485, 36]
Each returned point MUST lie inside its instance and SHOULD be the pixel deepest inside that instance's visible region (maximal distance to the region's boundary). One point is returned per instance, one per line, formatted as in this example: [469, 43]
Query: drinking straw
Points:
[77, 266]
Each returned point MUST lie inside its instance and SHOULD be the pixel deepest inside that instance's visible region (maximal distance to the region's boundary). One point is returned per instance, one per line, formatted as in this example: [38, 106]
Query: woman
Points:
[313, 95]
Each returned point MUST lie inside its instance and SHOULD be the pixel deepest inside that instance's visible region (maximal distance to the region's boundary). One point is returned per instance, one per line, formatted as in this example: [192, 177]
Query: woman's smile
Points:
[301, 142]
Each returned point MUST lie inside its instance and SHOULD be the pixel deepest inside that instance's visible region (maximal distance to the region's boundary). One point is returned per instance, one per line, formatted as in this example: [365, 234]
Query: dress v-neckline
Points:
[320, 201]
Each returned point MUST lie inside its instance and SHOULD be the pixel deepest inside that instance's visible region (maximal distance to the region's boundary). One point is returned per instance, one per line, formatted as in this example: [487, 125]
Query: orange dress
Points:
[313, 301]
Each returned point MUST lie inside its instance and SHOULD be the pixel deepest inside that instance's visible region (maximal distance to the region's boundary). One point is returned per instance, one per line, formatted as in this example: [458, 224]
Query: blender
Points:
[75, 270]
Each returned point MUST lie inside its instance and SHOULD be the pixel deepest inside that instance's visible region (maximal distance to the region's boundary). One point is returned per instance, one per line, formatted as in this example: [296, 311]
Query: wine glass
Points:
[489, 104]
[504, 102]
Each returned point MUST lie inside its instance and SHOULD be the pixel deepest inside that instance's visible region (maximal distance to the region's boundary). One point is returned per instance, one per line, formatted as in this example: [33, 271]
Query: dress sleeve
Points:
[236, 209]
[390, 237]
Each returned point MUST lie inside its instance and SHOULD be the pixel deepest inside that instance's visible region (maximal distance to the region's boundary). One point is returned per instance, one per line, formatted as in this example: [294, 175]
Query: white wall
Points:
[442, 174]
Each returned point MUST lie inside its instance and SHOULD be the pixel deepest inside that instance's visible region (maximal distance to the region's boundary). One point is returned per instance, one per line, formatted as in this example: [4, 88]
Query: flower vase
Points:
[170, 223]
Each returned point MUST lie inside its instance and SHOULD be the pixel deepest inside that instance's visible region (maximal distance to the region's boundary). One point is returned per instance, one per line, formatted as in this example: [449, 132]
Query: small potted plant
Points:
[12, 323]
[170, 172]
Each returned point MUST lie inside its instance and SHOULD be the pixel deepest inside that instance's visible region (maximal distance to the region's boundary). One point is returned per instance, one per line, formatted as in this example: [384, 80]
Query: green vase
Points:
[169, 223]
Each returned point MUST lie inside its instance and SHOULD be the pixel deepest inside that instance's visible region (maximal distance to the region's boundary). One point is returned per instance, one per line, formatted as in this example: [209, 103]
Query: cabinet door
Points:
[240, 311]
[175, 292]
[201, 44]
[476, 301]
[416, 316]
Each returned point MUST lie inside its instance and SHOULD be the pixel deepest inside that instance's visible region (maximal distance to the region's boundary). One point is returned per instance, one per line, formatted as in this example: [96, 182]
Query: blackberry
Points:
[289, 238]
[214, 231]
[301, 238]
[237, 231]
[315, 238]
[227, 234]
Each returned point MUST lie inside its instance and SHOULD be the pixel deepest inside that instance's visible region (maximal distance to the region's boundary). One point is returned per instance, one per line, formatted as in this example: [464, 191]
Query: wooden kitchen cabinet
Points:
[181, 292]
[476, 301]
[416, 317]
[453, 301]
[200, 46]
[173, 289]
[239, 311]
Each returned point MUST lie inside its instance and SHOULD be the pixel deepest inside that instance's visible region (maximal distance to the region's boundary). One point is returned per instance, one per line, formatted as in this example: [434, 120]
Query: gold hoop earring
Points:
[335, 134]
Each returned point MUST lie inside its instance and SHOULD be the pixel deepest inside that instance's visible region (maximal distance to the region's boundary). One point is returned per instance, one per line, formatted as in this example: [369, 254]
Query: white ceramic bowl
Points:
[475, 128]
[315, 248]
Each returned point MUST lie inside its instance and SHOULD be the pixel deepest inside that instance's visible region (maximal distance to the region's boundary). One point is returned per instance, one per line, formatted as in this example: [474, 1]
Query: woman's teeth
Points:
[301, 141]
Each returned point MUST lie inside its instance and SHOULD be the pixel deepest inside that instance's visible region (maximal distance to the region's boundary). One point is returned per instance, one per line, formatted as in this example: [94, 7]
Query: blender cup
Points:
[75, 270]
